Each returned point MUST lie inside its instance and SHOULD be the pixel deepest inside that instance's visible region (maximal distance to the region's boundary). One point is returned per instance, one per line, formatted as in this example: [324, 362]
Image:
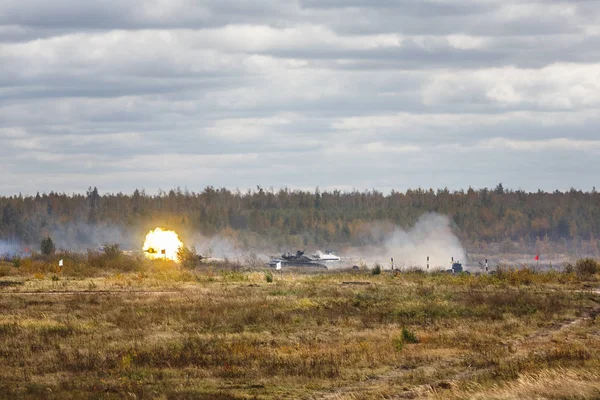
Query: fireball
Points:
[162, 244]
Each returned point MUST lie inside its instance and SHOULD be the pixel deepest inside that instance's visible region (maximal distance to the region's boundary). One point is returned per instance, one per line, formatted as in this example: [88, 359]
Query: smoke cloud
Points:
[82, 236]
[217, 246]
[7, 249]
[432, 237]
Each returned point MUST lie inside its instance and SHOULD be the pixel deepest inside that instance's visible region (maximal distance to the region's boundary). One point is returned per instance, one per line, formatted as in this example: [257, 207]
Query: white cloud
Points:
[166, 93]
[557, 86]
[560, 144]
[466, 42]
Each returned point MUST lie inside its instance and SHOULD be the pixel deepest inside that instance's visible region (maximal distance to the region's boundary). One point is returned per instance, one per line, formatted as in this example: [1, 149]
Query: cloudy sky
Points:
[353, 94]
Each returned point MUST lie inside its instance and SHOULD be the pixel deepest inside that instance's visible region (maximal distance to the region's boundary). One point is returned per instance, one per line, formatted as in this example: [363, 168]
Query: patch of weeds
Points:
[234, 276]
[398, 344]
[409, 336]
[269, 276]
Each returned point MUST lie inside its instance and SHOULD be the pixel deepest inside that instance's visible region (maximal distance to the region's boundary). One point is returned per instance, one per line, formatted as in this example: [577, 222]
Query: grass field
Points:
[169, 333]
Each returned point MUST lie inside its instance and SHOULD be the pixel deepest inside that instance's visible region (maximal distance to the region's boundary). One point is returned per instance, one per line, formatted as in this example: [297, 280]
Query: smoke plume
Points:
[431, 237]
[81, 236]
[7, 249]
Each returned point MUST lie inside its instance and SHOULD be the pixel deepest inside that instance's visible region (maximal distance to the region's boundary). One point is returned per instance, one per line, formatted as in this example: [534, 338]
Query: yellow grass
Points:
[166, 332]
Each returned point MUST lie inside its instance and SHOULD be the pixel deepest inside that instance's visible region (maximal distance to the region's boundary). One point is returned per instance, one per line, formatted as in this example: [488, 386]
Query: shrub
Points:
[408, 336]
[376, 270]
[569, 269]
[187, 257]
[113, 259]
[4, 270]
[47, 246]
[112, 251]
[269, 276]
[587, 266]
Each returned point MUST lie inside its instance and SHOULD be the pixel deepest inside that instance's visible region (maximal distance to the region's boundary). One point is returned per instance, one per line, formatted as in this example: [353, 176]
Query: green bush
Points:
[376, 270]
[408, 336]
[269, 276]
[47, 246]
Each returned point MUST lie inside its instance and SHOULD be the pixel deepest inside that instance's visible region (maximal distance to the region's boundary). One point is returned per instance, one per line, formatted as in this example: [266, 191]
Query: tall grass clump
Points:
[269, 276]
[409, 336]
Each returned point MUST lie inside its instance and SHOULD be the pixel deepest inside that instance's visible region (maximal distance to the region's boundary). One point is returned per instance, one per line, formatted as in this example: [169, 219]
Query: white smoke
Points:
[217, 246]
[431, 237]
[80, 236]
[8, 249]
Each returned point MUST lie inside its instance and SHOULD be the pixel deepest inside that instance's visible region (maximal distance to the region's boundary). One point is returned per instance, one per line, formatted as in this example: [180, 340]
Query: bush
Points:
[187, 257]
[269, 276]
[569, 268]
[587, 267]
[408, 336]
[47, 246]
[376, 270]
[112, 251]
[108, 260]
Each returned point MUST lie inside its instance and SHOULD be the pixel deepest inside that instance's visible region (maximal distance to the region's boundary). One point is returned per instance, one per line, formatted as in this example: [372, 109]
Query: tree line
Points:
[478, 217]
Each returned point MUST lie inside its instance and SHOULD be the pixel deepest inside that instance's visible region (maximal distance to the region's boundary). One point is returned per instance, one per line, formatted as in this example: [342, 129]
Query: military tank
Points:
[300, 260]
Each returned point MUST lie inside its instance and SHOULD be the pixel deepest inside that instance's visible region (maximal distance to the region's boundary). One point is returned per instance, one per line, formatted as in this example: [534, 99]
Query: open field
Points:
[172, 333]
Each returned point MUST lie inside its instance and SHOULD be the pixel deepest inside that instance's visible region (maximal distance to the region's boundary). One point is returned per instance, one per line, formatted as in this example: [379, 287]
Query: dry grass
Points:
[165, 332]
[557, 384]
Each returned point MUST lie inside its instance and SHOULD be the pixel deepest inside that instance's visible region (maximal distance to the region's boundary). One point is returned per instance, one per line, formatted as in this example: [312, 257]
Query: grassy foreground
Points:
[169, 333]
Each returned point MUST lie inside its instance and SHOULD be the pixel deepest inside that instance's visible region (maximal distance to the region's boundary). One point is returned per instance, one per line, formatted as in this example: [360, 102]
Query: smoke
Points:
[81, 236]
[218, 246]
[431, 237]
[7, 249]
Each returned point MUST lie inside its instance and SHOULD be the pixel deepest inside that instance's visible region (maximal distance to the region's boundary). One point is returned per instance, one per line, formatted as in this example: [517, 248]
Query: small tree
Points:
[376, 270]
[112, 251]
[47, 246]
[187, 257]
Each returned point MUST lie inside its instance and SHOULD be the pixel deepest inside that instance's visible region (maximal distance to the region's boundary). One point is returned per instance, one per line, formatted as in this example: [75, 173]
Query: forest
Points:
[510, 220]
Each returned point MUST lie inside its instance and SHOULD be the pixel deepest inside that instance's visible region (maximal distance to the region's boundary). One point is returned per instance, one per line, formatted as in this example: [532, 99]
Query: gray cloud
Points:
[348, 94]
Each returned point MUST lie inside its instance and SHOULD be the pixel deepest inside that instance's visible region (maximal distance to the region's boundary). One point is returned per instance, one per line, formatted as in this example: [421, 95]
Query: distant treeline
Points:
[319, 217]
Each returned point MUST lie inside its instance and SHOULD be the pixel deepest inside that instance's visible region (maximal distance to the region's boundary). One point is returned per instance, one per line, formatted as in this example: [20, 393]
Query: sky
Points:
[353, 95]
